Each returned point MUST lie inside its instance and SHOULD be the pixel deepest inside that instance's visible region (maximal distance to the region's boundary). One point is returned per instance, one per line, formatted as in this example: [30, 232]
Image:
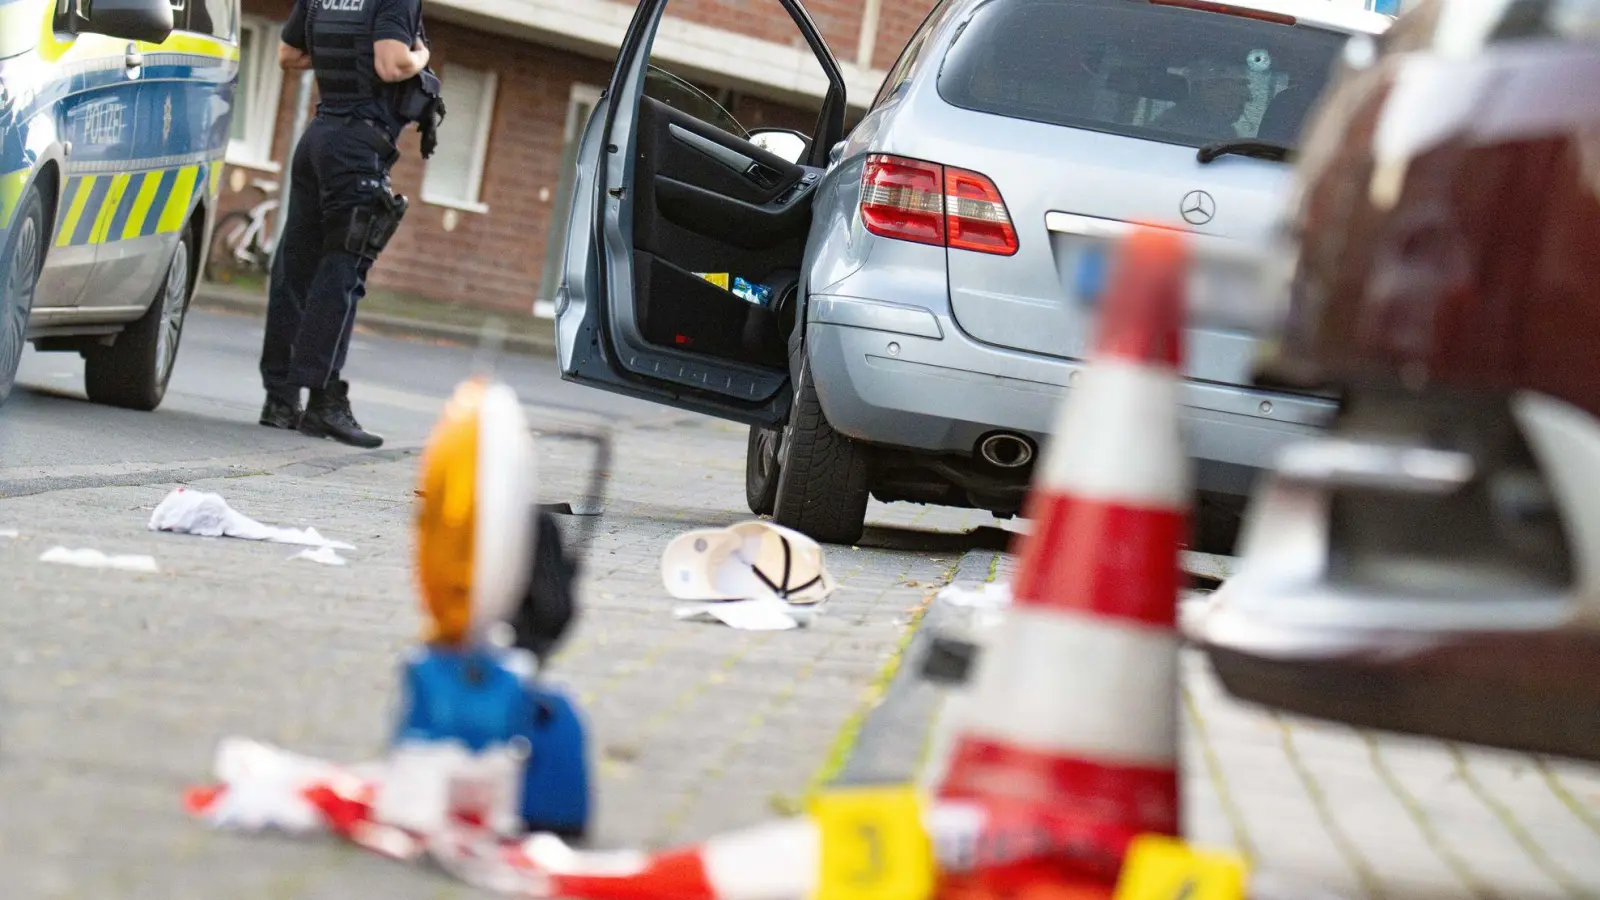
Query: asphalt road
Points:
[49, 431]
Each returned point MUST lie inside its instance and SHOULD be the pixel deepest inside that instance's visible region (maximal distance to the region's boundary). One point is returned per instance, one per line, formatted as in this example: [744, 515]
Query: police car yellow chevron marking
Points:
[141, 205]
[178, 201]
[108, 209]
[69, 222]
[103, 208]
[11, 186]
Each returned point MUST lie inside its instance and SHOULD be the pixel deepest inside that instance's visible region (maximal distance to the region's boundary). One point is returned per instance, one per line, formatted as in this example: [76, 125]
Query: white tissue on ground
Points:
[325, 555]
[94, 559]
[761, 614]
[208, 515]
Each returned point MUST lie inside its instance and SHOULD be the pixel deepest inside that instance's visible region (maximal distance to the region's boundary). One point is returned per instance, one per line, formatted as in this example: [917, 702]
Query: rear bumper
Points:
[903, 377]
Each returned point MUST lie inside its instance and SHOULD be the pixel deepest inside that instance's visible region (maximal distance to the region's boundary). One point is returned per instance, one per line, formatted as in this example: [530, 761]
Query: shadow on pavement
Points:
[984, 537]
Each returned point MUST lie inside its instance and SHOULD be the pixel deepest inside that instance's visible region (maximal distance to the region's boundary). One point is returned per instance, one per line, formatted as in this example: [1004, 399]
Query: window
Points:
[580, 105]
[1170, 74]
[255, 103]
[659, 84]
[454, 175]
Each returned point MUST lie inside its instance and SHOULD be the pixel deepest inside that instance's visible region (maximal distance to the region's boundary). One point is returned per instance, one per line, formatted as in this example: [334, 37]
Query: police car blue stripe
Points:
[163, 193]
[91, 211]
[119, 219]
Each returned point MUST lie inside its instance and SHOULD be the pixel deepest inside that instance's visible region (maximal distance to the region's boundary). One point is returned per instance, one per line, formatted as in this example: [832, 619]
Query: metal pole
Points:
[302, 111]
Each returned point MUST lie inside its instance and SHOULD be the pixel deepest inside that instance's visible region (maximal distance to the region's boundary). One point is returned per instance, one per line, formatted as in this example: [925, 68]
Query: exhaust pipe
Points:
[1006, 451]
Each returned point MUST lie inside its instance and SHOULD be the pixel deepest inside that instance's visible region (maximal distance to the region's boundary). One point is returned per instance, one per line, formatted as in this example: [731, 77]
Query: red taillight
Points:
[901, 198]
[911, 200]
[976, 217]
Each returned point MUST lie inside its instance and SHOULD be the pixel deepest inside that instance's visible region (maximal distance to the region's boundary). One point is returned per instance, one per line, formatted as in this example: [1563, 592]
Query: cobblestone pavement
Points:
[1357, 813]
[117, 686]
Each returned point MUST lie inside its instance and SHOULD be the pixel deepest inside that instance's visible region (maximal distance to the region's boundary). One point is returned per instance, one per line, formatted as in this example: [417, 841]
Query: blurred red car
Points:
[1433, 564]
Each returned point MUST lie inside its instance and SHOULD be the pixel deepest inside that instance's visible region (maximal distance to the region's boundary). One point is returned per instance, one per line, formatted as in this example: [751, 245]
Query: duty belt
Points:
[374, 124]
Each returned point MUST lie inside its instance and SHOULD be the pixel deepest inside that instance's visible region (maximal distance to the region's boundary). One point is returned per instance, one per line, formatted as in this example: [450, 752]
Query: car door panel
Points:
[661, 199]
[96, 121]
[708, 202]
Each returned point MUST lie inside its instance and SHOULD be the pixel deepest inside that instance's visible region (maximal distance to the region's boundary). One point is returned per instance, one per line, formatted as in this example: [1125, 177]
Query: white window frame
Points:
[581, 94]
[254, 151]
[480, 147]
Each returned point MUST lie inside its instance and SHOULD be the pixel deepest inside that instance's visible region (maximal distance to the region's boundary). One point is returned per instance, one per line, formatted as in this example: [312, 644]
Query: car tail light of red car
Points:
[927, 203]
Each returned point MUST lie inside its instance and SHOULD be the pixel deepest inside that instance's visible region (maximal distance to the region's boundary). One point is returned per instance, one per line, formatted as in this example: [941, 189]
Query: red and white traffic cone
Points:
[1074, 703]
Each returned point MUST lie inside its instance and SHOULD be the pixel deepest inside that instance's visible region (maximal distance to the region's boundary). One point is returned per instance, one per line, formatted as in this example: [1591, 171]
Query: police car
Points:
[114, 117]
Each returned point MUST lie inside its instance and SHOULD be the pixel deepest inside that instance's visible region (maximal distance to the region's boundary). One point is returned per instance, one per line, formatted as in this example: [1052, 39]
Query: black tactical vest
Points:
[341, 54]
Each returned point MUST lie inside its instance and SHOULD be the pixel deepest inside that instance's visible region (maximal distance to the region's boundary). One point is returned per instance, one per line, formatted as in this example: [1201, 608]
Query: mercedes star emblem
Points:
[1197, 207]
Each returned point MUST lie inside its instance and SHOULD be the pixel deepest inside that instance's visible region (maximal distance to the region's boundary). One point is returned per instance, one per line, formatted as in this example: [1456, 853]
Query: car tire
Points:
[133, 372]
[1216, 524]
[761, 469]
[24, 258]
[822, 487]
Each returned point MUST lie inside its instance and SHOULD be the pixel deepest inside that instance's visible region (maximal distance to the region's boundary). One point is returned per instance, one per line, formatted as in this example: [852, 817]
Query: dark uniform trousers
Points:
[340, 164]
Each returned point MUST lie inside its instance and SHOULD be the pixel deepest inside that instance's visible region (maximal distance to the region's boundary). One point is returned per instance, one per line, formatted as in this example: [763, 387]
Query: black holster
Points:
[366, 229]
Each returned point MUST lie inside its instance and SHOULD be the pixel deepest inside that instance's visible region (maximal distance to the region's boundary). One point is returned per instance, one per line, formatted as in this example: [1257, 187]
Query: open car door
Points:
[668, 208]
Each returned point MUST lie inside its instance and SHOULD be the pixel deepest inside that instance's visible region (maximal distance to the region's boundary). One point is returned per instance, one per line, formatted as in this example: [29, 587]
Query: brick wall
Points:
[839, 20]
[494, 259]
[897, 19]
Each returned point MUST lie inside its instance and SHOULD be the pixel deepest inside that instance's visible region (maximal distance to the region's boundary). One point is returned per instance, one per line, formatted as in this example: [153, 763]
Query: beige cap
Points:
[744, 561]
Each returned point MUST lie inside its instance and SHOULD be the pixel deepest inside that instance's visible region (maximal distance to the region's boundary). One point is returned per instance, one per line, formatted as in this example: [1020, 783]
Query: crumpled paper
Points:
[759, 614]
[94, 559]
[325, 555]
[208, 515]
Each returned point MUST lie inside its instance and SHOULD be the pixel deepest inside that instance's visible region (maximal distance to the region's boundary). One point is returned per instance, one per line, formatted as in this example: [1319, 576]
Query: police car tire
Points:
[822, 475]
[30, 209]
[126, 374]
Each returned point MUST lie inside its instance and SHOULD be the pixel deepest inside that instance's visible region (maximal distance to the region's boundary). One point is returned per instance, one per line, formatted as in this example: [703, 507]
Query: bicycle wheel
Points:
[223, 263]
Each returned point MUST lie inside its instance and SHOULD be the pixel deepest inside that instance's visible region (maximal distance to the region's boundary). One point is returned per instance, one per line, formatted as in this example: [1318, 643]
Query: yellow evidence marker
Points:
[874, 845]
[1165, 868]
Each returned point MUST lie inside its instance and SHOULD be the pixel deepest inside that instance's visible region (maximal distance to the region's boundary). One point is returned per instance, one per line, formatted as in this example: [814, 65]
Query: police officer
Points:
[370, 62]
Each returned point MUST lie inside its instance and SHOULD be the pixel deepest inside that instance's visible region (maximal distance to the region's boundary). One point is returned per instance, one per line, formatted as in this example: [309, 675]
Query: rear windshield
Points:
[1166, 73]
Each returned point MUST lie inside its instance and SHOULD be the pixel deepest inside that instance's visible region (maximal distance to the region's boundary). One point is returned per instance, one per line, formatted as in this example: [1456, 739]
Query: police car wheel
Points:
[133, 372]
[24, 256]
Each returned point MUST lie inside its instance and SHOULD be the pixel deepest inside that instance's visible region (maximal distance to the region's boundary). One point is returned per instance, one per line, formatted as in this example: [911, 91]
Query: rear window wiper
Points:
[1246, 147]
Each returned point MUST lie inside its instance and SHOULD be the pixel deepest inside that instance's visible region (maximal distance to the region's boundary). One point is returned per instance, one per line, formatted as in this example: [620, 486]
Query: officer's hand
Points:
[420, 51]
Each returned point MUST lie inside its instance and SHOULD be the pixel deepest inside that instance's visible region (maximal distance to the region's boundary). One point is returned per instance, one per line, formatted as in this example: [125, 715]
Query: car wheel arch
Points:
[47, 180]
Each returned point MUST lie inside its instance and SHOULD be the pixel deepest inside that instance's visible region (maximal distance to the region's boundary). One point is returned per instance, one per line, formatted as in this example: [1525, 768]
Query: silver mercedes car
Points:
[897, 311]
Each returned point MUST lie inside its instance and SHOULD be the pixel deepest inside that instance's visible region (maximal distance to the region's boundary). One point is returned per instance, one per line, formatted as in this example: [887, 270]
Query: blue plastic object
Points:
[1090, 278]
[759, 294]
[473, 696]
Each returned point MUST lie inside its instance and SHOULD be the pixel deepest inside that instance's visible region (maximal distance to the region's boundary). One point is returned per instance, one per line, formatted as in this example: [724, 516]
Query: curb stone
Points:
[540, 342]
[894, 736]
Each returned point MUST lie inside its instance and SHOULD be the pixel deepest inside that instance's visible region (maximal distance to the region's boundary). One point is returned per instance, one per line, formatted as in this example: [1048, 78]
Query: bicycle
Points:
[241, 243]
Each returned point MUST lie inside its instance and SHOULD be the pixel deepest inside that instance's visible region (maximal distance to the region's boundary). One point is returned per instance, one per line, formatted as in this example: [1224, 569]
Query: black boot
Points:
[281, 411]
[328, 415]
